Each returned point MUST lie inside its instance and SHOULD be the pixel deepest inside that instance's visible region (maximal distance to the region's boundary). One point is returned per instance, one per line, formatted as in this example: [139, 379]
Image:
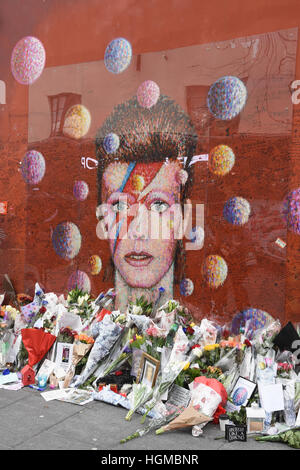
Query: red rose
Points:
[226, 334]
[219, 411]
[118, 372]
[247, 343]
[196, 346]
[43, 309]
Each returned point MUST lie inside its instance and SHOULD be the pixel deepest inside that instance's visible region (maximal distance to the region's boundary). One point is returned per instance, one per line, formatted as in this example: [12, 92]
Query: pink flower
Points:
[152, 331]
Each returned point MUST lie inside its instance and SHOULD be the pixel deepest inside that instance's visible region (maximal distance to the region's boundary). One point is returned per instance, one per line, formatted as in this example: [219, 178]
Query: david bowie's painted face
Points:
[142, 216]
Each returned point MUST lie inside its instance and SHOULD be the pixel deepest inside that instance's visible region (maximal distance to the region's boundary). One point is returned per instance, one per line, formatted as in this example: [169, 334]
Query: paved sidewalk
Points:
[28, 422]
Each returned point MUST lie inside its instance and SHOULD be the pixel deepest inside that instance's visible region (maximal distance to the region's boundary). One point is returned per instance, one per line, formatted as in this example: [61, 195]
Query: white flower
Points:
[197, 352]
[80, 300]
[137, 310]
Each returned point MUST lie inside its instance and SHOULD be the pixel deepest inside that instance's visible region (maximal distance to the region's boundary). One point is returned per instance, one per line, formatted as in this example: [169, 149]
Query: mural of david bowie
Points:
[142, 189]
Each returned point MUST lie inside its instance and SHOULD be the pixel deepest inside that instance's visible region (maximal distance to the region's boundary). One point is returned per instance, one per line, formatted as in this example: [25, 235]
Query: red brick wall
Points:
[74, 31]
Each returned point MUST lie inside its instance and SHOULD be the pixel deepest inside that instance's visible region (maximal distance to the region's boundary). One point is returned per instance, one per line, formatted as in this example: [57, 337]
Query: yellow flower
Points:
[211, 347]
[187, 366]
[139, 337]
[192, 324]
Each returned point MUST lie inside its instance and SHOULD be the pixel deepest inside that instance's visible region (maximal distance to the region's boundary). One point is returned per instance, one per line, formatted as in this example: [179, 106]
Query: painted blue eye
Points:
[159, 206]
[119, 206]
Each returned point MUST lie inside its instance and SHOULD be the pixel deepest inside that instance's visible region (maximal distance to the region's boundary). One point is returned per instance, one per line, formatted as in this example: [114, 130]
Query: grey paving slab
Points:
[30, 416]
[27, 421]
[47, 440]
[3, 447]
[8, 396]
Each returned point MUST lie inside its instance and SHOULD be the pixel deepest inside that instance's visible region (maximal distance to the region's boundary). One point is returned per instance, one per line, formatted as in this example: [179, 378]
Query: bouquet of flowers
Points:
[108, 334]
[155, 423]
[140, 307]
[118, 356]
[37, 342]
[80, 302]
[82, 345]
[207, 395]
[191, 416]
[140, 394]
[263, 339]
[66, 335]
[177, 361]
[284, 370]
[291, 437]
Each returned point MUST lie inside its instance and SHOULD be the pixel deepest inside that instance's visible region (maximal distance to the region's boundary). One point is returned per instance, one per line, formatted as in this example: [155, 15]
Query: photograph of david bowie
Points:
[147, 178]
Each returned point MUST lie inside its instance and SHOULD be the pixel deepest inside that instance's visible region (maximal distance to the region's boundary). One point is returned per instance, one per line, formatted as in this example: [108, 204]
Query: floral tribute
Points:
[152, 359]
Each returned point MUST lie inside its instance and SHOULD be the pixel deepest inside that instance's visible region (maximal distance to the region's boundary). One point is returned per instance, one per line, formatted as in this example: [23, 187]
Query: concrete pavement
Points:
[28, 422]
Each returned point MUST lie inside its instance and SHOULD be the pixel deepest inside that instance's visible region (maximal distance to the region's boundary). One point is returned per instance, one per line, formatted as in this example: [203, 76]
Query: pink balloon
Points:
[148, 94]
[28, 60]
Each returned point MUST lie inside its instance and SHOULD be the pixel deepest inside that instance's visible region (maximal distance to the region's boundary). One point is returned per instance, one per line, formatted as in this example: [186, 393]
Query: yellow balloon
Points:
[95, 264]
[77, 121]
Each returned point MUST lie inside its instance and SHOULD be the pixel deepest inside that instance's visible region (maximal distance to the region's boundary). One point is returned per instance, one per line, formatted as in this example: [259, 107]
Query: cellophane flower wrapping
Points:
[263, 338]
[191, 416]
[227, 362]
[37, 343]
[118, 355]
[206, 400]
[139, 395]
[229, 378]
[297, 395]
[207, 332]
[108, 333]
[205, 397]
[79, 351]
[165, 315]
[247, 367]
[168, 374]
[165, 417]
[289, 412]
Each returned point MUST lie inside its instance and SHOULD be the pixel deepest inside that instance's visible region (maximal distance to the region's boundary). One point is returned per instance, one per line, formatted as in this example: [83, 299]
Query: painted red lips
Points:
[138, 260]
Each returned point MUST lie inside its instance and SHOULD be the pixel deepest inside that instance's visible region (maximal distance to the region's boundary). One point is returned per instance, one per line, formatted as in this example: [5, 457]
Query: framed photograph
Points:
[148, 370]
[64, 354]
[241, 394]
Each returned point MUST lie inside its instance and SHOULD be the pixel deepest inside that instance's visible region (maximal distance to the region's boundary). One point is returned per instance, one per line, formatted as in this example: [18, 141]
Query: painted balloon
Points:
[239, 396]
[237, 211]
[66, 240]
[221, 160]
[148, 94]
[80, 280]
[254, 318]
[33, 167]
[77, 121]
[118, 55]
[95, 264]
[214, 271]
[226, 97]
[80, 190]
[186, 287]
[28, 60]
[291, 211]
[111, 143]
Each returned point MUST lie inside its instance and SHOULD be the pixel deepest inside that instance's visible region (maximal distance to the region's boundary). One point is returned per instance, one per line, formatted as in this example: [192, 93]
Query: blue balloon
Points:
[111, 143]
[226, 97]
[118, 55]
